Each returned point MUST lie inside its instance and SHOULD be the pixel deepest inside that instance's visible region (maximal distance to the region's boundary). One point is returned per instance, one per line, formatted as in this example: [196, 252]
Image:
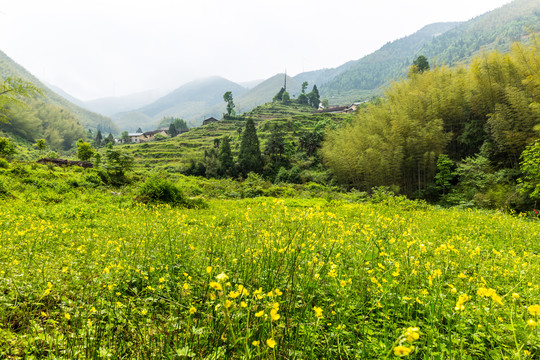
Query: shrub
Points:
[157, 189]
[4, 164]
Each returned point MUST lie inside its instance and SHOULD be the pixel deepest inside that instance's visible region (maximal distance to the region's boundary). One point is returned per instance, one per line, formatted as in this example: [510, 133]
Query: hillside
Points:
[88, 119]
[365, 76]
[113, 105]
[193, 102]
[495, 30]
[445, 43]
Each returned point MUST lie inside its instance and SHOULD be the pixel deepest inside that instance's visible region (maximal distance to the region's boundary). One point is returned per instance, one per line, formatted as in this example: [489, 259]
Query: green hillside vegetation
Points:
[365, 76]
[85, 118]
[302, 131]
[455, 134]
[447, 43]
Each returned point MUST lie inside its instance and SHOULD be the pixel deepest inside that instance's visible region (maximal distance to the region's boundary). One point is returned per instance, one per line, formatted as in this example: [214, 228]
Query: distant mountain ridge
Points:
[89, 120]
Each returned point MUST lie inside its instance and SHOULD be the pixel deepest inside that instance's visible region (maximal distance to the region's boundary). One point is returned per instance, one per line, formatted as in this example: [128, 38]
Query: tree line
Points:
[486, 111]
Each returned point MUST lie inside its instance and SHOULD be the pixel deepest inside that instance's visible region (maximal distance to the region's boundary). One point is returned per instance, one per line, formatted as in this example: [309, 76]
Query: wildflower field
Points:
[97, 276]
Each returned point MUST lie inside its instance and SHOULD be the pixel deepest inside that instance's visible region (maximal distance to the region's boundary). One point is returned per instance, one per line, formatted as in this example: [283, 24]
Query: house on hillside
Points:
[150, 135]
[339, 109]
[209, 121]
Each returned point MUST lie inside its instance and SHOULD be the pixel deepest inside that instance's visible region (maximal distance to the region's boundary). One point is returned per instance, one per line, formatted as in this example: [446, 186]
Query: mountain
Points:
[495, 30]
[442, 43]
[359, 78]
[113, 105]
[192, 102]
[88, 119]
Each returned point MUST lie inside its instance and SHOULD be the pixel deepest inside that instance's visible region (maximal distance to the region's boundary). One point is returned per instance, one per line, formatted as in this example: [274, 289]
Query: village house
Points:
[209, 121]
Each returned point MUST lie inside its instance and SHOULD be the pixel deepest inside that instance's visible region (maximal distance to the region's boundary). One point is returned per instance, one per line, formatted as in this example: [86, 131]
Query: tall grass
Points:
[99, 277]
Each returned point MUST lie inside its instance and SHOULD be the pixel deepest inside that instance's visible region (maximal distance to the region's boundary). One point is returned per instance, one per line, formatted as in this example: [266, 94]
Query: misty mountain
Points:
[88, 119]
[192, 102]
[113, 105]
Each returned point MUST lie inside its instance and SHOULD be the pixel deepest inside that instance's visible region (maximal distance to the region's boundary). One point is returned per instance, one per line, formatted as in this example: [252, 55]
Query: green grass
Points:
[86, 272]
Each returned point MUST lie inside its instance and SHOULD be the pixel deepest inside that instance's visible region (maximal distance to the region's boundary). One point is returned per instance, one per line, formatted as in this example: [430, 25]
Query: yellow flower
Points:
[234, 294]
[412, 334]
[192, 310]
[215, 285]
[144, 312]
[161, 280]
[403, 350]
[343, 283]
[278, 292]
[222, 277]
[531, 323]
[271, 343]
[228, 303]
[255, 343]
[243, 304]
[318, 312]
[89, 323]
[275, 316]
[67, 316]
[515, 295]
[260, 313]
[208, 269]
[534, 310]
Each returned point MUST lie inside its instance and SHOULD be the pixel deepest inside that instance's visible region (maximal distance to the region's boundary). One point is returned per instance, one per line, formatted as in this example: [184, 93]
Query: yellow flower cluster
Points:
[491, 293]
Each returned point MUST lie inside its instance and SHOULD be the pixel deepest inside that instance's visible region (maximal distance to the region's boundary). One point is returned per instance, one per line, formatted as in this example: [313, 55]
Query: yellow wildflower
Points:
[255, 343]
[275, 316]
[412, 334]
[192, 310]
[534, 310]
[318, 312]
[222, 277]
[271, 343]
[259, 314]
[215, 285]
[67, 316]
[403, 350]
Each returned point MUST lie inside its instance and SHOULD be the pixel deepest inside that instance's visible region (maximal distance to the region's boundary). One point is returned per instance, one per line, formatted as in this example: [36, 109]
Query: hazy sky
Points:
[98, 48]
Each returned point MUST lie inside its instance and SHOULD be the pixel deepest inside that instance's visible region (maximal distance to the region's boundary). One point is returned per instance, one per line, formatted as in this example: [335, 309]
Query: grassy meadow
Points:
[90, 273]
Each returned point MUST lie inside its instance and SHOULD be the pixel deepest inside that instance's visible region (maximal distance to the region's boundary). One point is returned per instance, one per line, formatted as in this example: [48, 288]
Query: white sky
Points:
[98, 48]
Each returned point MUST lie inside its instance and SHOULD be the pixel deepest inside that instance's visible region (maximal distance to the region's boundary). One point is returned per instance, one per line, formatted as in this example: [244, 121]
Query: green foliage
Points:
[458, 111]
[228, 98]
[314, 98]
[279, 95]
[530, 168]
[11, 91]
[117, 163]
[125, 136]
[85, 151]
[157, 189]
[420, 64]
[445, 174]
[227, 167]
[249, 156]
[7, 147]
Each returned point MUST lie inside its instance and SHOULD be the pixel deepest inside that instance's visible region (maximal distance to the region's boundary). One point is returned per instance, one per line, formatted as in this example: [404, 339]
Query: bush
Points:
[4, 164]
[159, 190]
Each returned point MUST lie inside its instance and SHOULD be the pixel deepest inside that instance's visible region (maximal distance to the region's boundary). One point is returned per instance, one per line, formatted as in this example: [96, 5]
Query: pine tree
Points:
[225, 158]
[99, 138]
[249, 157]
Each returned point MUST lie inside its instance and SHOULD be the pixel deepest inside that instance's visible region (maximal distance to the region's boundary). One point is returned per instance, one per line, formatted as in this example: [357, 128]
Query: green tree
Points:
[304, 87]
[275, 151]
[172, 130]
[226, 160]
[228, 98]
[139, 131]
[117, 164]
[11, 91]
[530, 168]
[98, 139]
[420, 64]
[314, 98]
[249, 157]
[109, 139]
[279, 95]
[7, 147]
[125, 136]
[303, 99]
[286, 98]
[41, 145]
[85, 151]
[445, 173]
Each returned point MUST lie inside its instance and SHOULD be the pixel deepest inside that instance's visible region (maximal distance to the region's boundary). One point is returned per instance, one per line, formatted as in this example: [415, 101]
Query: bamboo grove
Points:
[489, 107]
